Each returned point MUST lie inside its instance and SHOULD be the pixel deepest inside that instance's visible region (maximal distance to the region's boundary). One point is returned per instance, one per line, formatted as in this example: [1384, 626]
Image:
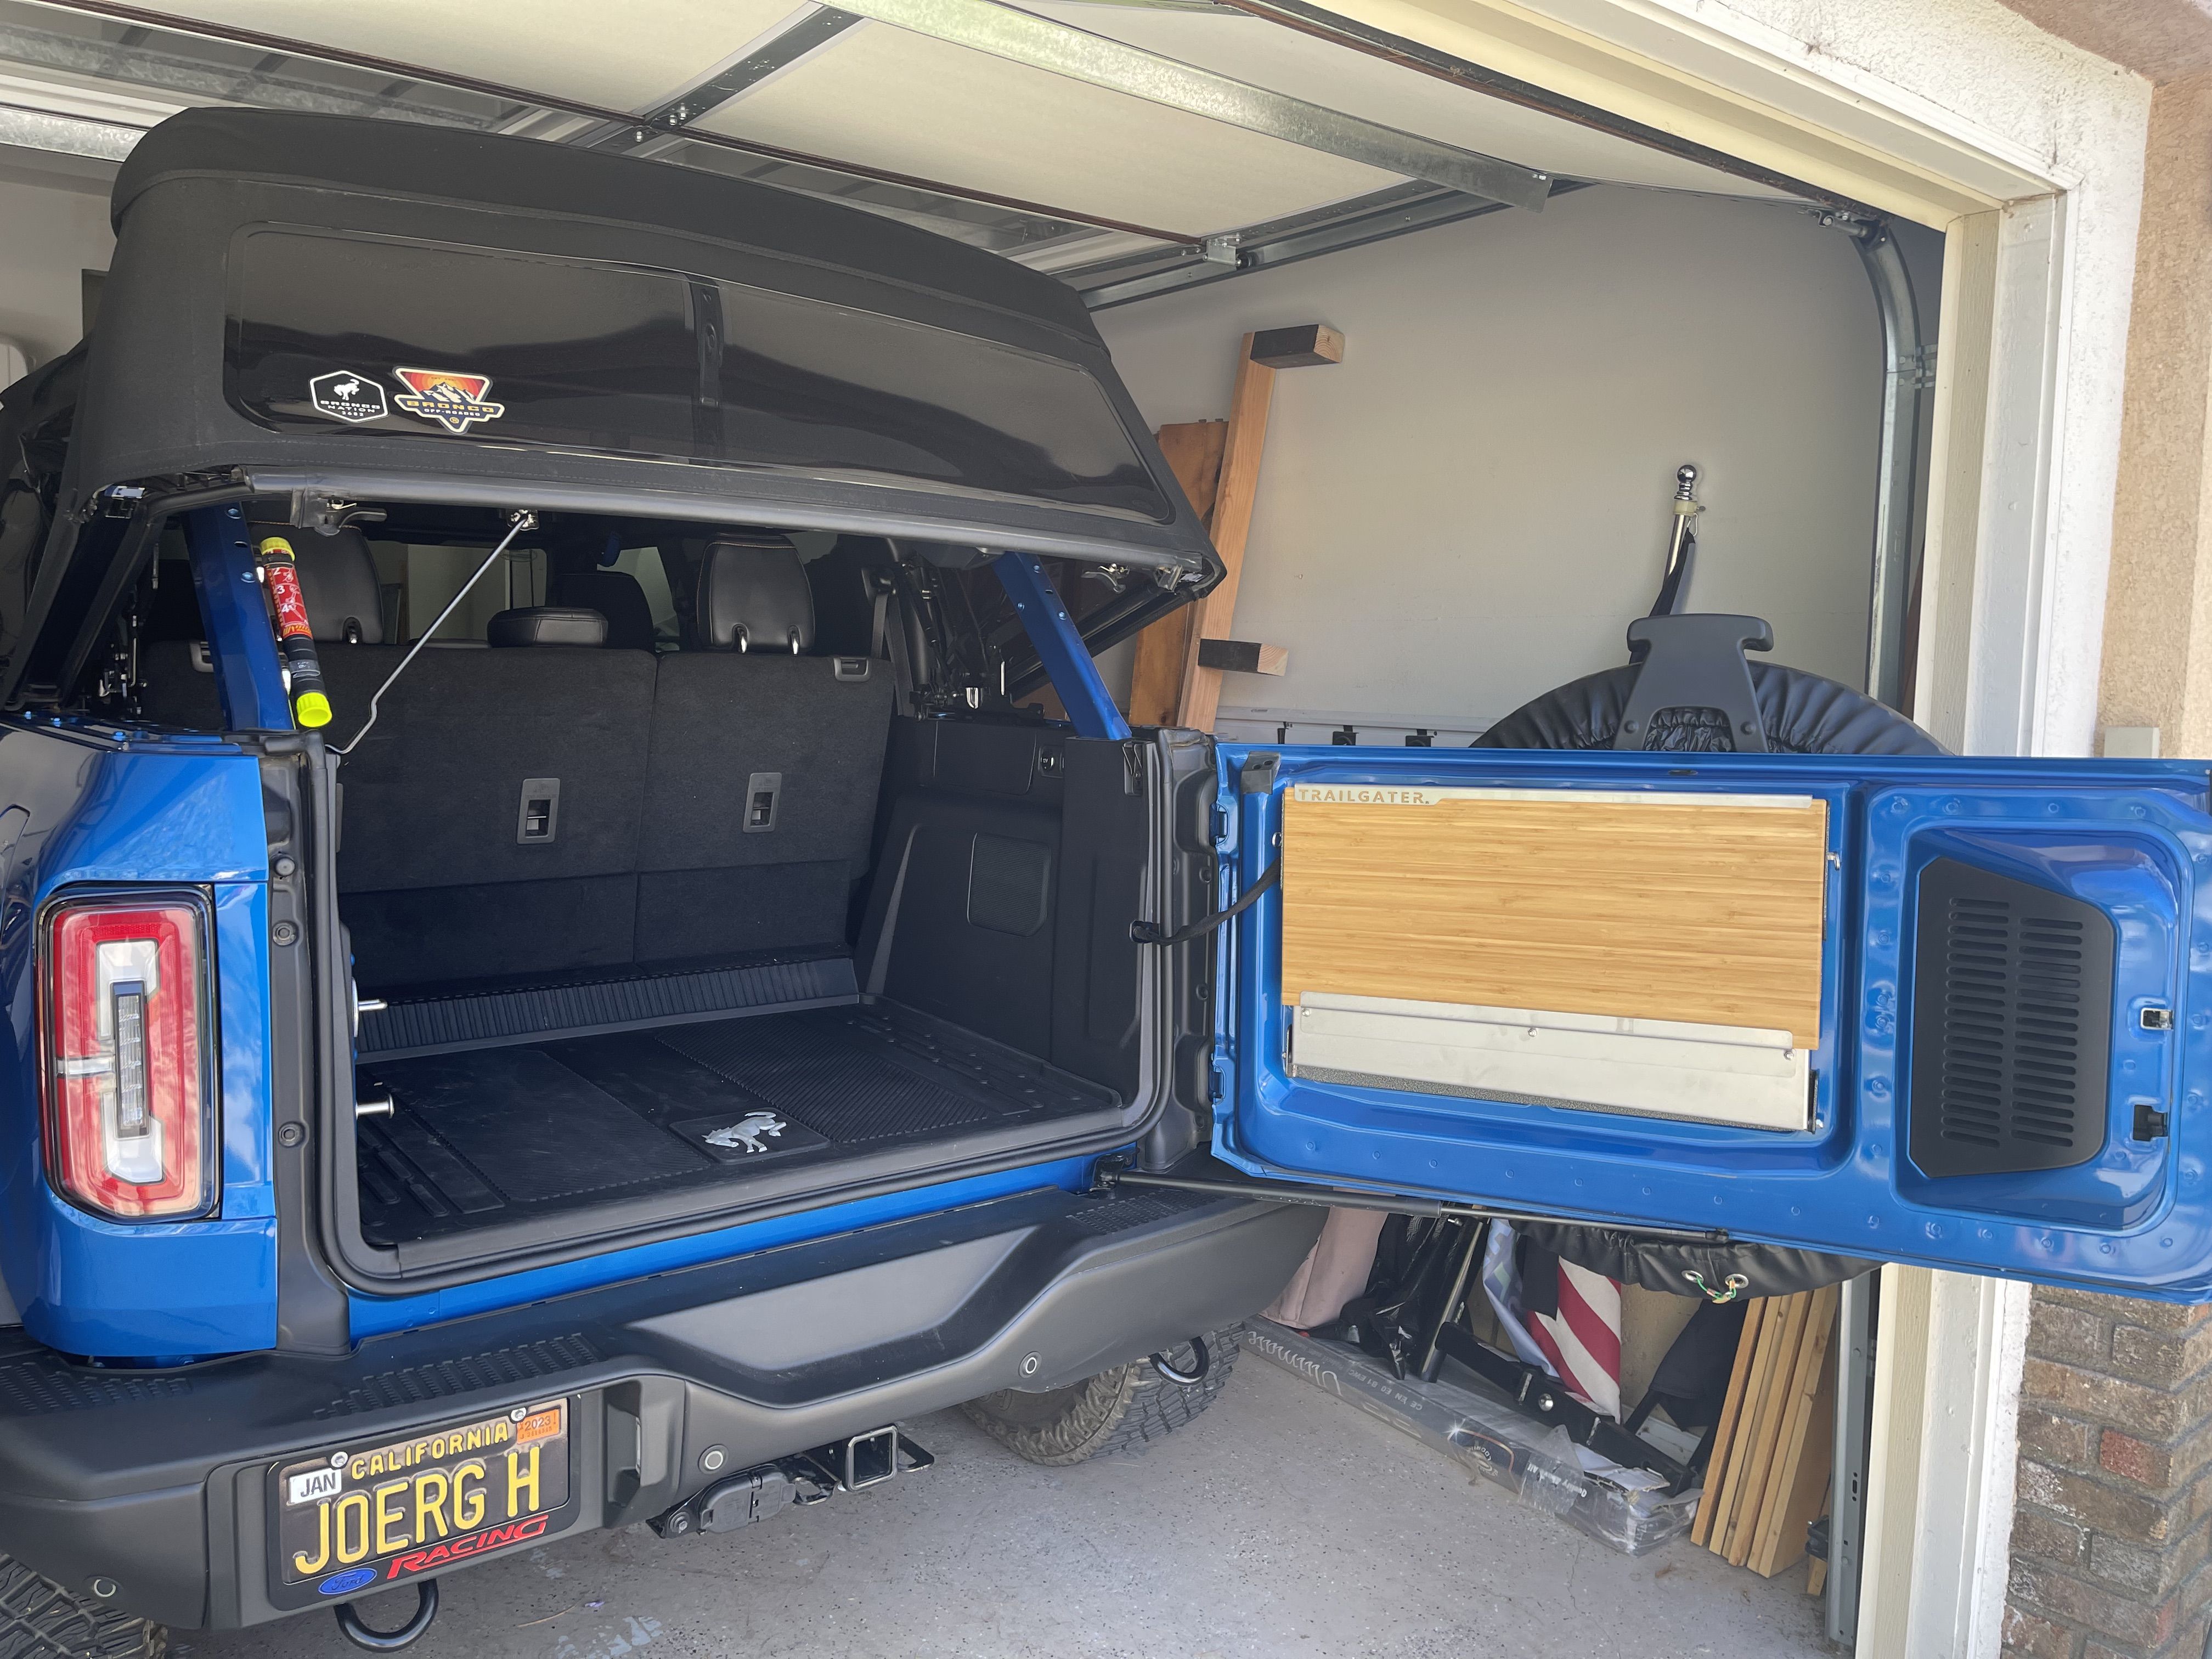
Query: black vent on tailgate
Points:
[2011, 1025]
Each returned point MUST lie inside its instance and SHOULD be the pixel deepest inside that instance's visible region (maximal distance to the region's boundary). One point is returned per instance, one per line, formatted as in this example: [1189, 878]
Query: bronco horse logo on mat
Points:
[752, 1132]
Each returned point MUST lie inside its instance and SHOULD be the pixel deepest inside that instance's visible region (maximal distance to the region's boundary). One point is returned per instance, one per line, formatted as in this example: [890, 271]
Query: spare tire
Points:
[1803, 714]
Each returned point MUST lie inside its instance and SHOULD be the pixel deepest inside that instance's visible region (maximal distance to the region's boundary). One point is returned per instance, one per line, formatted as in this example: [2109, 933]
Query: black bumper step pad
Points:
[498, 1134]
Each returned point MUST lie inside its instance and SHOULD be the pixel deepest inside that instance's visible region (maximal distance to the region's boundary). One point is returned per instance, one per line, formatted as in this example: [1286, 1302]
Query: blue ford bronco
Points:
[560, 973]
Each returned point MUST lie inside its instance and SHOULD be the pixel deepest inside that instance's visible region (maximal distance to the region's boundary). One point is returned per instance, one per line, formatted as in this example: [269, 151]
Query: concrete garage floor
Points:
[1281, 1522]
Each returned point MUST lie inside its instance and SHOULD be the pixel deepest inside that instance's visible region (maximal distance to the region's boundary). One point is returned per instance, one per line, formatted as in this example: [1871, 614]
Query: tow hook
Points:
[391, 1641]
[1174, 1373]
[812, 1477]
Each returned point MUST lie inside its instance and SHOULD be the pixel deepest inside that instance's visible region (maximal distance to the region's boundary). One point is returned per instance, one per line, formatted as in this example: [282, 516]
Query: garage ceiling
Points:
[1130, 146]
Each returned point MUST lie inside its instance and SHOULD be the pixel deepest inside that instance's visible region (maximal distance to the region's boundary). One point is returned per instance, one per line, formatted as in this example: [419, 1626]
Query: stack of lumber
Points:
[1767, 1479]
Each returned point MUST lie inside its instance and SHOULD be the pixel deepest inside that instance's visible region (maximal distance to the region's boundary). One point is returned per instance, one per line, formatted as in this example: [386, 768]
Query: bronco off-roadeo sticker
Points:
[454, 401]
[346, 396]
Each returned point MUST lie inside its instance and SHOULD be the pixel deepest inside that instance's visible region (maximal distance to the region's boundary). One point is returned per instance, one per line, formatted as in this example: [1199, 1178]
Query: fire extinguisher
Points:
[280, 573]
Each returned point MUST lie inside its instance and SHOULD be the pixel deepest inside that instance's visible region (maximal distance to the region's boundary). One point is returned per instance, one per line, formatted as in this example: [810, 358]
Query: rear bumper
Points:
[159, 1480]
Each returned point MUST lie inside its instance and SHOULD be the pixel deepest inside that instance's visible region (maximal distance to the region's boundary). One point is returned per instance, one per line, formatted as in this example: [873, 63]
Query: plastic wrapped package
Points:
[1626, 1510]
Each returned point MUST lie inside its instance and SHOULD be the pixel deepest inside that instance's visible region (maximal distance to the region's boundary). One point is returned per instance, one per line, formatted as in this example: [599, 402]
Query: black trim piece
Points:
[311, 1305]
[2011, 1039]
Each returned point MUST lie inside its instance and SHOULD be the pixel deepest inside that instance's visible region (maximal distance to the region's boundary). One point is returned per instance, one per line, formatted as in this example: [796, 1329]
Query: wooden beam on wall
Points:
[1194, 451]
[1218, 463]
[1231, 524]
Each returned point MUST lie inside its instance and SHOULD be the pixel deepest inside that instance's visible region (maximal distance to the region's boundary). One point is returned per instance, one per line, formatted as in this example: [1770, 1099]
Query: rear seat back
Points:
[491, 814]
[548, 804]
[761, 798]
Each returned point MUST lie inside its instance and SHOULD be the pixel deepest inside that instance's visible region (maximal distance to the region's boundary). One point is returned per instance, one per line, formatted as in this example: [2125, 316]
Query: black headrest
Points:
[337, 579]
[547, 624]
[615, 595]
[753, 596]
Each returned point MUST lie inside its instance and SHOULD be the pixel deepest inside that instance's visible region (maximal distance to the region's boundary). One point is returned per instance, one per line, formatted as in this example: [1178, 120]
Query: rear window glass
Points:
[415, 581]
[350, 334]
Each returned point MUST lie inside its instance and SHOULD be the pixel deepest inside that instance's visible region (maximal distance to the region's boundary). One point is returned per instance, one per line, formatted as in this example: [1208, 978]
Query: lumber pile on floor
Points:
[1767, 1479]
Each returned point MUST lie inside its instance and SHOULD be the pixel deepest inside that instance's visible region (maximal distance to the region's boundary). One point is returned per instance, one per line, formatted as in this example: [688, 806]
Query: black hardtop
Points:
[418, 161]
[632, 338]
[317, 306]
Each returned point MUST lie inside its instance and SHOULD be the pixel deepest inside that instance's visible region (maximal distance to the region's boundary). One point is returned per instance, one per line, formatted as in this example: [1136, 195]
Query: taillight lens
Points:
[124, 987]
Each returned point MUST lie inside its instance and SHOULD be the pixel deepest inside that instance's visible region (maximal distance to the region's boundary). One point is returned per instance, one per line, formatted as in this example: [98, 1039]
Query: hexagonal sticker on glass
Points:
[346, 396]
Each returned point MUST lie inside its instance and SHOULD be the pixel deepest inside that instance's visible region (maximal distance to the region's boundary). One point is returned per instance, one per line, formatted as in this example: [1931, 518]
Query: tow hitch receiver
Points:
[809, 1477]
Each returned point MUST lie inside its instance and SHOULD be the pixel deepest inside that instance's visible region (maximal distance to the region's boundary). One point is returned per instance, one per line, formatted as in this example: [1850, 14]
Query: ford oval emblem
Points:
[344, 1583]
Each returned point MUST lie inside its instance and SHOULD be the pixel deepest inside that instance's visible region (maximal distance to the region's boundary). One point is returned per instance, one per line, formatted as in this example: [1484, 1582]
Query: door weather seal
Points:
[1112, 1173]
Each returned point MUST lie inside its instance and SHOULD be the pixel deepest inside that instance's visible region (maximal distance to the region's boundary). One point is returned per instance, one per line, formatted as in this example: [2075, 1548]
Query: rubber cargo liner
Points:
[498, 1134]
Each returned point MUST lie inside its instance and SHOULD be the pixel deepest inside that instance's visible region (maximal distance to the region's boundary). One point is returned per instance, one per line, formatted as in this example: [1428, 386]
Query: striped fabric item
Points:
[1582, 1341]
[1563, 1318]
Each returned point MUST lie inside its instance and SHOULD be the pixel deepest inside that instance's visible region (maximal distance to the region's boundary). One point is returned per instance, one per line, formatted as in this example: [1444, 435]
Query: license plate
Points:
[388, 1511]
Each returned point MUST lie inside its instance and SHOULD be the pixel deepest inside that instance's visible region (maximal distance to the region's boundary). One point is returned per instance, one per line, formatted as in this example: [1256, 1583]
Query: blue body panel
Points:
[241, 646]
[181, 814]
[2132, 837]
[376, 1315]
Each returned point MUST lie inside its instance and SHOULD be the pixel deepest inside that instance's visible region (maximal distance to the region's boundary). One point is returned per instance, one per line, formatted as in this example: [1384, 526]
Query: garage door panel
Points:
[1254, 50]
[630, 56]
[886, 98]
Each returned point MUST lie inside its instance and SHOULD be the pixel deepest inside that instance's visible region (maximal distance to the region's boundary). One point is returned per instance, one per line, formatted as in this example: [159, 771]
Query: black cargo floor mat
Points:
[499, 1133]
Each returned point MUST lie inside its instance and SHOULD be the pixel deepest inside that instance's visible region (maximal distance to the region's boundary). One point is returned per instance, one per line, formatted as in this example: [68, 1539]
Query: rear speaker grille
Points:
[2011, 1025]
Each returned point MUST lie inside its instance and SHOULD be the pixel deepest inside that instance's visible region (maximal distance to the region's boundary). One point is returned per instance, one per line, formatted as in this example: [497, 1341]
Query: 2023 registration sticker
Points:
[350, 1517]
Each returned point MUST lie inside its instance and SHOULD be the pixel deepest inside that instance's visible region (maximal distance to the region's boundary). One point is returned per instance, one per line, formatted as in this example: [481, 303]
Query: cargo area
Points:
[641, 918]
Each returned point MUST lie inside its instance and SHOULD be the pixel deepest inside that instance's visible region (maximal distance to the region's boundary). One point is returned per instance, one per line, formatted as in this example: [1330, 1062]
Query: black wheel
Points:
[40, 1619]
[1122, 1410]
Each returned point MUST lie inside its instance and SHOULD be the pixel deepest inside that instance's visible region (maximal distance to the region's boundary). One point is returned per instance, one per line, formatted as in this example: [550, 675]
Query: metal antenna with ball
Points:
[1682, 548]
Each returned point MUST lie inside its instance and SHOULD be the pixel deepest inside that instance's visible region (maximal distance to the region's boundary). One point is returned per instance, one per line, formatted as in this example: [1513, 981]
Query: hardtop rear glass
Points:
[338, 332]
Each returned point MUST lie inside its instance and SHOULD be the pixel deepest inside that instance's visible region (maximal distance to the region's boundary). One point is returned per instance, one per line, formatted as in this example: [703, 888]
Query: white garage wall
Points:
[1470, 508]
[49, 237]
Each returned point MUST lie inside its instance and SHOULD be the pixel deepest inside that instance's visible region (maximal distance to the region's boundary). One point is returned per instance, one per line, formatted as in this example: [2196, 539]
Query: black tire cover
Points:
[1803, 714]
[1719, 1273]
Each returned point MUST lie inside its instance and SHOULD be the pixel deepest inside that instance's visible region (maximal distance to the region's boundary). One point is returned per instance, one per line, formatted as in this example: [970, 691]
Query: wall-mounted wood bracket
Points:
[1243, 656]
[1304, 347]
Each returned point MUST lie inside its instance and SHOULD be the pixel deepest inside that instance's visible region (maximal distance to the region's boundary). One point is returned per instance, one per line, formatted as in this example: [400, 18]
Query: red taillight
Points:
[123, 984]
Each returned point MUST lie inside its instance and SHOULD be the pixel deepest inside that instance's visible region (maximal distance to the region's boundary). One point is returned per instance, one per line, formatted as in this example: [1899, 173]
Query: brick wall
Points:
[2110, 1538]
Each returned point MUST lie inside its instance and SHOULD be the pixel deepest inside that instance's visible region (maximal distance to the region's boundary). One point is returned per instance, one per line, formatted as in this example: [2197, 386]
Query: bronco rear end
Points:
[559, 973]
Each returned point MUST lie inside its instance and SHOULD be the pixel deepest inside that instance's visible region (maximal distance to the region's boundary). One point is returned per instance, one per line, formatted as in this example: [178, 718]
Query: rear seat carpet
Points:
[500, 1134]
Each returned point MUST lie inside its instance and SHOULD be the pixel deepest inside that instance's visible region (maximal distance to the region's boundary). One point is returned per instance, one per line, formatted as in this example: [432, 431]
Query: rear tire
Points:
[40, 1619]
[1122, 1410]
